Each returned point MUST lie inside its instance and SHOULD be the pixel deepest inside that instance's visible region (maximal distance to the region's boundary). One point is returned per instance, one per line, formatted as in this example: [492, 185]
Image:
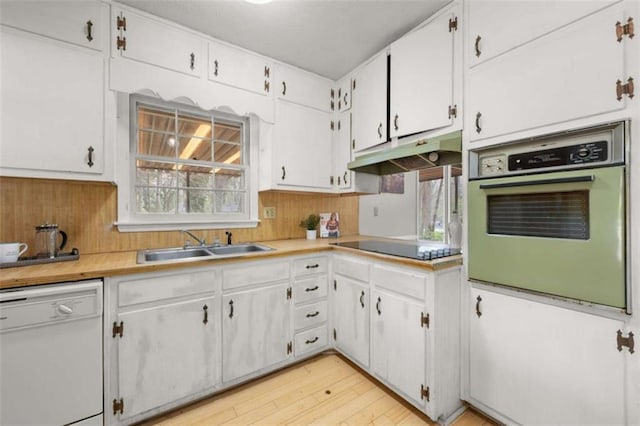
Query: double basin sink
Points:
[179, 254]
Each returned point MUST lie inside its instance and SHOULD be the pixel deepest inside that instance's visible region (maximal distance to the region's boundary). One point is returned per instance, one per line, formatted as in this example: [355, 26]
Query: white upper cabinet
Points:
[570, 73]
[498, 26]
[239, 68]
[53, 115]
[422, 77]
[369, 113]
[303, 88]
[155, 42]
[80, 23]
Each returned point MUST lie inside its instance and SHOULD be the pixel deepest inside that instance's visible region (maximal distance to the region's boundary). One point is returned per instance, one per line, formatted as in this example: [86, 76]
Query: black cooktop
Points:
[410, 250]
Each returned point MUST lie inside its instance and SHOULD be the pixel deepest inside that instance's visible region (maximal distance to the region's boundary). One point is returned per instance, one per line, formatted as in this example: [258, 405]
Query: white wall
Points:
[397, 214]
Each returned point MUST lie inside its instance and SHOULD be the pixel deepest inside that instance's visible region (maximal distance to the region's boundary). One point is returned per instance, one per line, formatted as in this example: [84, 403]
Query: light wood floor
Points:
[326, 390]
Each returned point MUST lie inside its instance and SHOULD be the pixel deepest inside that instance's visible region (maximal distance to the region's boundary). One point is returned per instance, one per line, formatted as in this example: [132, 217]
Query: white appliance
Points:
[51, 354]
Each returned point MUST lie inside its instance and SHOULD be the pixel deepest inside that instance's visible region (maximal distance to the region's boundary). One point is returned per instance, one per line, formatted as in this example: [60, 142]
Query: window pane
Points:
[456, 190]
[229, 202]
[152, 173]
[227, 153]
[229, 179]
[193, 148]
[155, 200]
[195, 201]
[431, 210]
[156, 144]
[195, 176]
[193, 125]
[156, 119]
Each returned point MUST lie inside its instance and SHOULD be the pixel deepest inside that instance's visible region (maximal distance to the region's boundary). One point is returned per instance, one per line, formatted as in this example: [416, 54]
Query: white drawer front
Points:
[351, 267]
[310, 289]
[311, 340]
[254, 273]
[400, 281]
[309, 315]
[309, 266]
[149, 288]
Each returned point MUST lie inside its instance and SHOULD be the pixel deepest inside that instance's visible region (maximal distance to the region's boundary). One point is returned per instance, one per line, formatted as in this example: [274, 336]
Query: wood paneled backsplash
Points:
[86, 211]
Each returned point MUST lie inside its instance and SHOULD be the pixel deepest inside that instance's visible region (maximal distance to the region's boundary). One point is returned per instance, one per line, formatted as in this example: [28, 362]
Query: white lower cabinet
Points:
[533, 363]
[351, 318]
[311, 305]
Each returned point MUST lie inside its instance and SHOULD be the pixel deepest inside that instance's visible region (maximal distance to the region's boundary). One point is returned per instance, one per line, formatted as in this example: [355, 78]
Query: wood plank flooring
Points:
[325, 390]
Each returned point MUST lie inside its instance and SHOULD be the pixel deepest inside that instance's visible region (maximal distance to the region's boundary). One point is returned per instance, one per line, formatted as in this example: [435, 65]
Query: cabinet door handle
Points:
[90, 162]
[378, 306]
[478, 52]
[312, 288]
[215, 67]
[346, 102]
[380, 129]
[478, 128]
[284, 173]
[362, 299]
[231, 309]
[284, 88]
[192, 61]
[315, 339]
[344, 179]
[89, 30]
[205, 320]
[315, 314]
[395, 122]
[478, 312]
[314, 266]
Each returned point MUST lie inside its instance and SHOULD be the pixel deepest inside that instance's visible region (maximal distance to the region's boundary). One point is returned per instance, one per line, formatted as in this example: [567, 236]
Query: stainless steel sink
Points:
[181, 254]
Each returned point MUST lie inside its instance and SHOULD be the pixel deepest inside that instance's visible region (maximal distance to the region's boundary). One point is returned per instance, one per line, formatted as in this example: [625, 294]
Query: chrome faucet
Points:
[202, 242]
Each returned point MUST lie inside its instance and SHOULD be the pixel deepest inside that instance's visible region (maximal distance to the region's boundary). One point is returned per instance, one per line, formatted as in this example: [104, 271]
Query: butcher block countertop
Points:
[122, 263]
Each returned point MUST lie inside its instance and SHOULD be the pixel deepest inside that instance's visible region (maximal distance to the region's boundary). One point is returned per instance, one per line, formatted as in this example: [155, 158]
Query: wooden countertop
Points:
[121, 263]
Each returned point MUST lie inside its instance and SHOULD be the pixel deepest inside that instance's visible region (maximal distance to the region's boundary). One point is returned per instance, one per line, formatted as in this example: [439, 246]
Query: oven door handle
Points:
[590, 178]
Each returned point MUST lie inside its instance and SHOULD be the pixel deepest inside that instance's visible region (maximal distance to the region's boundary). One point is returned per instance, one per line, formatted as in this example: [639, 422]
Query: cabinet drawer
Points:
[352, 268]
[147, 289]
[311, 265]
[310, 288]
[311, 340]
[310, 315]
[254, 273]
[400, 281]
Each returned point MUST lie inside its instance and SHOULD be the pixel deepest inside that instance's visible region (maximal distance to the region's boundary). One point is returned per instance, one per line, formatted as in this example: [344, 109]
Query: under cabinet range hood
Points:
[425, 153]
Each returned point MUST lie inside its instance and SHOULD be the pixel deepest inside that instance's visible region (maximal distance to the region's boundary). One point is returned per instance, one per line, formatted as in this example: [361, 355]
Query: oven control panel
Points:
[592, 152]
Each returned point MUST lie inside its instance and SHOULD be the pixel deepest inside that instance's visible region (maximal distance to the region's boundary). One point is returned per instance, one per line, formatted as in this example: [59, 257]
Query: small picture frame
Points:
[329, 225]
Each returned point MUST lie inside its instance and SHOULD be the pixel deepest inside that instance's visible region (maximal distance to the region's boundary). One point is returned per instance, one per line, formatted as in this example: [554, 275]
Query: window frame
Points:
[129, 220]
[447, 198]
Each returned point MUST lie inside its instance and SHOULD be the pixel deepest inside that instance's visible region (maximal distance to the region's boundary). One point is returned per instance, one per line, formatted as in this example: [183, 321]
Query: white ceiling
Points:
[328, 37]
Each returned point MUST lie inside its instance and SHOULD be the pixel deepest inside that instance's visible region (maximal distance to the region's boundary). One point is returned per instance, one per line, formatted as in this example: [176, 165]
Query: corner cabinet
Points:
[533, 363]
[162, 336]
[53, 116]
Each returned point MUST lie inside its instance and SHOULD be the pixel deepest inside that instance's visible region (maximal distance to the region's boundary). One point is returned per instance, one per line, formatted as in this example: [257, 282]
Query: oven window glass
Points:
[551, 215]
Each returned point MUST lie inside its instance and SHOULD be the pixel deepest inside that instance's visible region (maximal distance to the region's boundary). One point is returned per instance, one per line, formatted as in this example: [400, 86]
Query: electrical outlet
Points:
[269, 213]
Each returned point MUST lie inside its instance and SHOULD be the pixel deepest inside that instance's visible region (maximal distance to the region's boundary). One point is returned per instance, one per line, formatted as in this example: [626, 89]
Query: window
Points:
[439, 197]
[188, 166]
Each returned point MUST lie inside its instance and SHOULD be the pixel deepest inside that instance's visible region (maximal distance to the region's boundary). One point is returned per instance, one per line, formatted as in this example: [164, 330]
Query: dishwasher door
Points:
[51, 354]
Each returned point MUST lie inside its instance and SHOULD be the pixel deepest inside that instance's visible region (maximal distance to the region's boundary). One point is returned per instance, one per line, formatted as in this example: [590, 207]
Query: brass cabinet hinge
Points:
[624, 89]
[331, 180]
[353, 144]
[118, 329]
[332, 125]
[424, 320]
[338, 124]
[267, 71]
[288, 293]
[333, 94]
[624, 30]
[121, 43]
[424, 392]
[289, 348]
[333, 106]
[266, 86]
[625, 341]
[121, 23]
[453, 24]
[118, 406]
[335, 334]
[453, 111]
[335, 285]
[353, 85]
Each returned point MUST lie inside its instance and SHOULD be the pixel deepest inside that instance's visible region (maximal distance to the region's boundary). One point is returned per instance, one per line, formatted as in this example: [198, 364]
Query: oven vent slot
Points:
[551, 215]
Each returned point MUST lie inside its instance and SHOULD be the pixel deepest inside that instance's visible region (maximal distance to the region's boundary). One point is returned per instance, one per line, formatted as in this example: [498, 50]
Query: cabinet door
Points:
[342, 151]
[369, 111]
[157, 43]
[422, 79]
[304, 88]
[256, 330]
[75, 22]
[302, 151]
[239, 68]
[539, 364]
[53, 115]
[399, 343]
[167, 353]
[351, 319]
[498, 26]
[540, 83]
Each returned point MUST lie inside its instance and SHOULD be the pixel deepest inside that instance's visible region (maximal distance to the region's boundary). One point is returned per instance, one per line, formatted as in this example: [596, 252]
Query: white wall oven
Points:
[548, 215]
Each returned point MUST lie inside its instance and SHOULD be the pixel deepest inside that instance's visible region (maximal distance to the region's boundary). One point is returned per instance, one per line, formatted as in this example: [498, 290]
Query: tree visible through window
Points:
[438, 197]
[188, 161]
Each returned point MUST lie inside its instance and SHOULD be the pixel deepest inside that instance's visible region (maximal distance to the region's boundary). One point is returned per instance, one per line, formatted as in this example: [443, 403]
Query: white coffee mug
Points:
[9, 252]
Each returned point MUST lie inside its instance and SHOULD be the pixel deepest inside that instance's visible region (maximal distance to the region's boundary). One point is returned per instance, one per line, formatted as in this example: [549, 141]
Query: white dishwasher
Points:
[51, 354]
